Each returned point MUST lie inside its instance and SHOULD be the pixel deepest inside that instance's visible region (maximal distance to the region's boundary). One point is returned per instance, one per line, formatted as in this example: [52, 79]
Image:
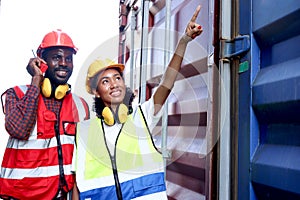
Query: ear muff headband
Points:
[59, 92]
[110, 117]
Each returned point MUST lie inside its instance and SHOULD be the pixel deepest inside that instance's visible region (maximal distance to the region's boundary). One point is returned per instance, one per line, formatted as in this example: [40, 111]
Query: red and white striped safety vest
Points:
[36, 168]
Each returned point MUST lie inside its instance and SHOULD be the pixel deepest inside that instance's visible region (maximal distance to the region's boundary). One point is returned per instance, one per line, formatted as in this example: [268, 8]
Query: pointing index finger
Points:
[195, 15]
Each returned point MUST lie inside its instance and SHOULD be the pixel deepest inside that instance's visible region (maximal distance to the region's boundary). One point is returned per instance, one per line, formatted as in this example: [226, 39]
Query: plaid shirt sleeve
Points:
[21, 113]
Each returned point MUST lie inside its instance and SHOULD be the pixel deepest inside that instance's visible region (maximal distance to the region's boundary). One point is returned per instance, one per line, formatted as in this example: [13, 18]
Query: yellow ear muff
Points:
[59, 93]
[109, 116]
[122, 113]
[46, 87]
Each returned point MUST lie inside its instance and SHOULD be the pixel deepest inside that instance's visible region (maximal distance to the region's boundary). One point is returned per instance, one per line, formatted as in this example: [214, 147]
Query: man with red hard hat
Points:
[40, 119]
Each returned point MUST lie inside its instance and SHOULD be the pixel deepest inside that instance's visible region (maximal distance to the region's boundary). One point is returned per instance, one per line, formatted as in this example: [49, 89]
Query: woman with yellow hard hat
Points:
[116, 157]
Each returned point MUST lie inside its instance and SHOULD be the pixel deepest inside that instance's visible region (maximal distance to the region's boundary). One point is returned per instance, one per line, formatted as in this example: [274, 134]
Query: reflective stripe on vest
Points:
[137, 160]
[10, 173]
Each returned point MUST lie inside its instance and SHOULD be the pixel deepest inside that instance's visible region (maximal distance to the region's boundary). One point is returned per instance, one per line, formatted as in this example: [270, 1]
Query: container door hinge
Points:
[234, 47]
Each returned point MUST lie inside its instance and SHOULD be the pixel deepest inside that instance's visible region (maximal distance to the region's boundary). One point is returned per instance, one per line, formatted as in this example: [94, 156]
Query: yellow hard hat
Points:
[97, 66]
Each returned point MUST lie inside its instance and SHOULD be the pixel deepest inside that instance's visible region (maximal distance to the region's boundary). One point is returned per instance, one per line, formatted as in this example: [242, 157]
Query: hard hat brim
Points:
[121, 67]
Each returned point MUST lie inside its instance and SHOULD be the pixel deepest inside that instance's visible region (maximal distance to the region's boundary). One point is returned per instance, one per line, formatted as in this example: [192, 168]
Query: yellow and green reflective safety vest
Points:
[135, 171]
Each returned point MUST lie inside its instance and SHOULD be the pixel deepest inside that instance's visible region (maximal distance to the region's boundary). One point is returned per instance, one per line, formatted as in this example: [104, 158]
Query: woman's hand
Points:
[193, 29]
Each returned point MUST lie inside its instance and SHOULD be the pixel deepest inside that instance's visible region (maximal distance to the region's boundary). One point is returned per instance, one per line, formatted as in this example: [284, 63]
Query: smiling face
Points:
[60, 64]
[111, 87]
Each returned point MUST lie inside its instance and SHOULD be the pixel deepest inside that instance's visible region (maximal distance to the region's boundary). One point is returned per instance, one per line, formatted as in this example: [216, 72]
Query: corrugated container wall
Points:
[188, 104]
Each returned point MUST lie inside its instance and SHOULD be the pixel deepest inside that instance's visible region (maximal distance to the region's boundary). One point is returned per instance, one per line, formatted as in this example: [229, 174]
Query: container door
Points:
[269, 101]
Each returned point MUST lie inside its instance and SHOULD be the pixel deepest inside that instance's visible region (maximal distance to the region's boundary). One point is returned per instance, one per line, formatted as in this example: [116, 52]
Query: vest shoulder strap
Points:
[19, 91]
[82, 106]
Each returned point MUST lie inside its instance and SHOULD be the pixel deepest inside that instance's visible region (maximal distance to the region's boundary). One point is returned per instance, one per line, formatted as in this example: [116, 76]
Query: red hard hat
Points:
[56, 38]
